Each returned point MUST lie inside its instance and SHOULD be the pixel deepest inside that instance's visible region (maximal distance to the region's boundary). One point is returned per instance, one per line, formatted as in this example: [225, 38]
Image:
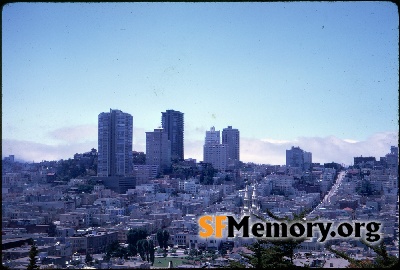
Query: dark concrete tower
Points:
[173, 123]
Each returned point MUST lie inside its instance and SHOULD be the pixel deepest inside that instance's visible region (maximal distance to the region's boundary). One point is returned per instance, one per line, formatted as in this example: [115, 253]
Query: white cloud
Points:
[267, 151]
[194, 149]
[350, 141]
[139, 139]
[324, 150]
[31, 151]
[75, 134]
[268, 140]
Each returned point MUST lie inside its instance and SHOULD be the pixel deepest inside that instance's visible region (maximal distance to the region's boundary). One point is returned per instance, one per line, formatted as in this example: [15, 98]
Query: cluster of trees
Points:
[138, 243]
[266, 253]
[382, 260]
[207, 174]
[366, 188]
[201, 255]
[184, 172]
[139, 158]
[88, 259]
[280, 253]
[73, 168]
[68, 169]
[115, 250]
[134, 236]
[162, 238]
[146, 250]
[33, 258]
[274, 253]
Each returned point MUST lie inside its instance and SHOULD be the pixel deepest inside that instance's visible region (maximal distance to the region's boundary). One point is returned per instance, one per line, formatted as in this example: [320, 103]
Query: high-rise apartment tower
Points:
[214, 152]
[115, 131]
[172, 122]
[212, 136]
[230, 136]
[296, 157]
[158, 149]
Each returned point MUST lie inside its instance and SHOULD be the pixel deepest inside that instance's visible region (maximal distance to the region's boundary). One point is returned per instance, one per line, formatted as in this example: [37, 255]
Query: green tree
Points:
[366, 188]
[166, 238]
[223, 252]
[85, 188]
[258, 258]
[382, 260]
[288, 246]
[267, 256]
[139, 158]
[207, 174]
[33, 258]
[88, 259]
[236, 264]
[193, 252]
[151, 251]
[68, 169]
[134, 235]
[116, 250]
[146, 249]
[141, 248]
[275, 253]
[162, 238]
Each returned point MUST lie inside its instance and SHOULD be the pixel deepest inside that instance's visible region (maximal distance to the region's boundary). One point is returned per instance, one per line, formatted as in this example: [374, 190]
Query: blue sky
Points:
[319, 75]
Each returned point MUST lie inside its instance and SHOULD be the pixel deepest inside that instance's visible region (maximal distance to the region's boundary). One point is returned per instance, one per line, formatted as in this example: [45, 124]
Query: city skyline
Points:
[321, 76]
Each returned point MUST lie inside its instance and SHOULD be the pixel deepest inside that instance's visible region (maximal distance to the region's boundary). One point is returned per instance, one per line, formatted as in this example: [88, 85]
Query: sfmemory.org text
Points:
[217, 226]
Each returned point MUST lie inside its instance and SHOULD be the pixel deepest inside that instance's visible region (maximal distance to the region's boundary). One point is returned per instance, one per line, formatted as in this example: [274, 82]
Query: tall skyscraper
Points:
[158, 149]
[172, 122]
[214, 152]
[230, 136]
[115, 131]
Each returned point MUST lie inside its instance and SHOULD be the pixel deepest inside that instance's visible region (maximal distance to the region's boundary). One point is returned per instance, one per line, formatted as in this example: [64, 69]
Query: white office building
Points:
[214, 152]
[158, 149]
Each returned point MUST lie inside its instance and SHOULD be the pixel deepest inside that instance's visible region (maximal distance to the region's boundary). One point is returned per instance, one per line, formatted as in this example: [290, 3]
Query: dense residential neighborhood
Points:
[71, 216]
